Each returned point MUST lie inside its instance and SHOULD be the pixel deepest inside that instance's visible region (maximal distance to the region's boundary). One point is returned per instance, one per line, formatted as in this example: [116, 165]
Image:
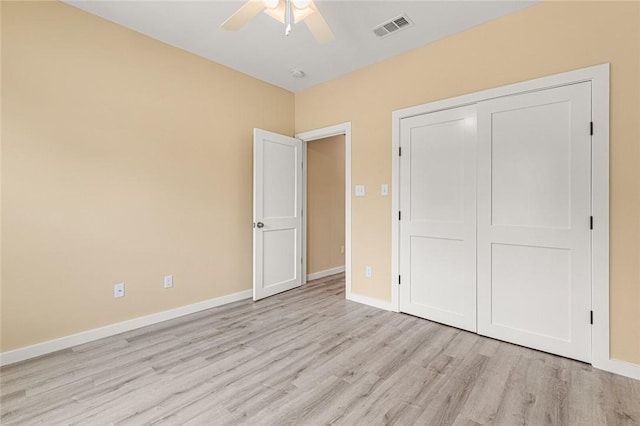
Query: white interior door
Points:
[277, 213]
[534, 207]
[438, 217]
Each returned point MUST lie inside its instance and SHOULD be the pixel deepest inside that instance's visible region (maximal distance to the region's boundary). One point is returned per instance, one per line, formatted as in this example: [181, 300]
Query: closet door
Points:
[438, 217]
[534, 197]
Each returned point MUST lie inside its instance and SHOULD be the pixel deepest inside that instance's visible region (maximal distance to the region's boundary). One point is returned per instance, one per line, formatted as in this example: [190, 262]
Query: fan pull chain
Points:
[287, 17]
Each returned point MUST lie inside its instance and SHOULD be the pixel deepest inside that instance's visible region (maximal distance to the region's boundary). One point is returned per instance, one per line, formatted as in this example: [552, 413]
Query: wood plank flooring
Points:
[309, 357]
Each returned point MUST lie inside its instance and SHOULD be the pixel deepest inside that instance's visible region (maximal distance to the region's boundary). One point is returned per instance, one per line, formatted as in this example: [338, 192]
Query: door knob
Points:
[260, 225]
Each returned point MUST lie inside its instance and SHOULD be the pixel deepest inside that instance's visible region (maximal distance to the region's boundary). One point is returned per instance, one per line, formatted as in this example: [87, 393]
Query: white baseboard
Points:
[376, 303]
[325, 273]
[44, 348]
[611, 365]
[622, 368]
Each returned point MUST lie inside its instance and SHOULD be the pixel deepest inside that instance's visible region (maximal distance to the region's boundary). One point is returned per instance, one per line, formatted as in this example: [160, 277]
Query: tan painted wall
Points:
[123, 159]
[545, 39]
[325, 203]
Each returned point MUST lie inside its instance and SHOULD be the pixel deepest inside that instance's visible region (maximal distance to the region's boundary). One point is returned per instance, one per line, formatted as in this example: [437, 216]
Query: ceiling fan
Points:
[286, 11]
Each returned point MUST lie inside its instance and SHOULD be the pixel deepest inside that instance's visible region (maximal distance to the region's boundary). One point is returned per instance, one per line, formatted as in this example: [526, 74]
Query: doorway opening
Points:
[325, 207]
[327, 238]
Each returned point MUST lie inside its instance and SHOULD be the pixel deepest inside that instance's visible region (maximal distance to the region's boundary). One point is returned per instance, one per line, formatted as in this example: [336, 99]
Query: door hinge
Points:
[591, 128]
[591, 222]
[399, 280]
[399, 215]
[301, 262]
[399, 151]
[591, 318]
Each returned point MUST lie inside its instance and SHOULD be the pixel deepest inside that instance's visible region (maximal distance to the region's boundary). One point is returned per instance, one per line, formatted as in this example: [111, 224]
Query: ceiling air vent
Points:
[396, 24]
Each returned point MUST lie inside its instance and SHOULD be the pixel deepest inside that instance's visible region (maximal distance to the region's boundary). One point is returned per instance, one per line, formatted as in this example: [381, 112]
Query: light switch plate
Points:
[359, 190]
[384, 189]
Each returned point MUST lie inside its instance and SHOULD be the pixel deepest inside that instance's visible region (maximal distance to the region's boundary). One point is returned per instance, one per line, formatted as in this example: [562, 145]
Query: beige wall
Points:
[325, 203]
[123, 159]
[545, 39]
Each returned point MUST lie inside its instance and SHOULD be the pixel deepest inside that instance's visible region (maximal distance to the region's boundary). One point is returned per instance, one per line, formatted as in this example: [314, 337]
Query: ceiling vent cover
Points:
[393, 26]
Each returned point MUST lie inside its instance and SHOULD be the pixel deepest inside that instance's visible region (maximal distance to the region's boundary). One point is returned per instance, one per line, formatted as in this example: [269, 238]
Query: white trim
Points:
[305, 213]
[370, 301]
[397, 116]
[595, 72]
[326, 132]
[325, 273]
[622, 368]
[65, 342]
[598, 75]
[600, 331]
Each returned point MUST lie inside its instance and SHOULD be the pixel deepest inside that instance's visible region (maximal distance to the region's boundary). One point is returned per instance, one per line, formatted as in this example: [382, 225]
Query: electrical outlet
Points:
[118, 290]
[367, 271]
[168, 281]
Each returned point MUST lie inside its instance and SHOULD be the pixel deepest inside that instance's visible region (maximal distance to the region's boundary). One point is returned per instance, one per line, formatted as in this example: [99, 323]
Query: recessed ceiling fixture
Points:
[297, 73]
[288, 12]
[394, 25]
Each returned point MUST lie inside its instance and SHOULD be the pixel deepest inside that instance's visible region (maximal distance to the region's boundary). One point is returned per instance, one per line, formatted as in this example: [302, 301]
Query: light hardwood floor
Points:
[309, 357]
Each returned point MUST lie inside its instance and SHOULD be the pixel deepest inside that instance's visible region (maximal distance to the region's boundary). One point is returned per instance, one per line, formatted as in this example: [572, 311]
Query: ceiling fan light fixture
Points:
[301, 4]
[278, 13]
[271, 4]
[288, 12]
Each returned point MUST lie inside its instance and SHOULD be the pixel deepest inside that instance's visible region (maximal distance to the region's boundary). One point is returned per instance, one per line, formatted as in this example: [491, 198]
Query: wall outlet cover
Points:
[118, 290]
[168, 281]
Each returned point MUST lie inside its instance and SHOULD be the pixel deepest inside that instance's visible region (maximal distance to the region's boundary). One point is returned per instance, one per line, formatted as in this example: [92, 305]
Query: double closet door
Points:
[495, 204]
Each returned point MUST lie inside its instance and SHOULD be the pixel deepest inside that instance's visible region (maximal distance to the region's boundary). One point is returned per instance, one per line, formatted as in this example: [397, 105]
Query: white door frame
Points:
[598, 75]
[312, 135]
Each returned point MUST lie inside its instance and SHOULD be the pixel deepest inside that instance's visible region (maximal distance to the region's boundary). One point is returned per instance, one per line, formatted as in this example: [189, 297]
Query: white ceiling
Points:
[261, 50]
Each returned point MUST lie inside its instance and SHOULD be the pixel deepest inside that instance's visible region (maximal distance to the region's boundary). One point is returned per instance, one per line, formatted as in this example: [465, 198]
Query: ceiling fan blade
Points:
[318, 26]
[243, 15]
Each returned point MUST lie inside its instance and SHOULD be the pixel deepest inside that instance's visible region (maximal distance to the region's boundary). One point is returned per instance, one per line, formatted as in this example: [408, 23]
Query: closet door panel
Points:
[438, 208]
[534, 207]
